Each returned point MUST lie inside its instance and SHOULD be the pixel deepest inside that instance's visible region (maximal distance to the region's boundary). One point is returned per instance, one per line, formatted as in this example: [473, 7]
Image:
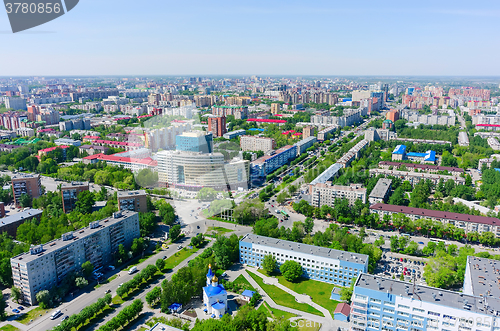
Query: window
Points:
[418, 310]
[403, 306]
[375, 300]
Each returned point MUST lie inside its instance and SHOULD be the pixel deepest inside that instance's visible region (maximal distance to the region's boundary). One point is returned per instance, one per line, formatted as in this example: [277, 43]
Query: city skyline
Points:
[261, 38]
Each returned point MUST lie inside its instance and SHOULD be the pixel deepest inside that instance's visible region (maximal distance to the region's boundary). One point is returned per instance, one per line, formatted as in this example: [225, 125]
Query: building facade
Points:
[234, 134]
[381, 191]
[69, 194]
[133, 200]
[304, 144]
[468, 223]
[415, 177]
[255, 143]
[45, 266]
[217, 125]
[266, 164]
[10, 223]
[195, 141]
[26, 184]
[325, 194]
[318, 263]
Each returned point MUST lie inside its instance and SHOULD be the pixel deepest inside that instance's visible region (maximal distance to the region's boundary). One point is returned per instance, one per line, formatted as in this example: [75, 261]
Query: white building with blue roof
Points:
[214, 296]
[399, 153]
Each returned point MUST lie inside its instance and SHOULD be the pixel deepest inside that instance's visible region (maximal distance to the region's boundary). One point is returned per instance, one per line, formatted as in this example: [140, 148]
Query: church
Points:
[214, 296]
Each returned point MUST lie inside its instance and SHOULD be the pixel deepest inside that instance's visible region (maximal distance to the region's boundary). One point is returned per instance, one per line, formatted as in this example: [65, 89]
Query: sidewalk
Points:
[327, 322]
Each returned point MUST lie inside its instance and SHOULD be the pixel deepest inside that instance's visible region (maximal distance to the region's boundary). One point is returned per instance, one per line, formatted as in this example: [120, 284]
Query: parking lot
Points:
[393, 265]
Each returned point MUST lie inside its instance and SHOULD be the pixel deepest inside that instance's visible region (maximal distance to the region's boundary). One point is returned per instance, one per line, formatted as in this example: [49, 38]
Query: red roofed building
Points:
[126, 162]
[261, 120]
[342, 312]
[87, 139]
[45, 151]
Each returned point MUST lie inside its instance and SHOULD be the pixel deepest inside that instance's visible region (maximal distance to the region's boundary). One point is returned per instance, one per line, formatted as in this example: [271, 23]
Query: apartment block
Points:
[255, 143]
[69, 194]
[133, 200]
[239, 112]
[325, 194]
[430, 168]
[468, 223]
[415, 177]
[318, 263]
[308, 131]
[275, 108]
[304, 144]
[26, 132]
[45, 266]
[266, 164]
[353, 153]
[326, 132]
[15, 103]
[26, 184]
[10, 223]
[381, 191]
[217, 125]
[234, 134]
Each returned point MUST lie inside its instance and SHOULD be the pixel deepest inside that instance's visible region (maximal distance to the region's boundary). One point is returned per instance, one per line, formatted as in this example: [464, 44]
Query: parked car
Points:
[15, 311]
[64, 318]
[20, 308]
[107, 291]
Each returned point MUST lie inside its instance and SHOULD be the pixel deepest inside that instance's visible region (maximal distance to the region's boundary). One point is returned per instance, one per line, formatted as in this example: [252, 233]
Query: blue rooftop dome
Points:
[213, 290]
[400, 149]
[210, 273]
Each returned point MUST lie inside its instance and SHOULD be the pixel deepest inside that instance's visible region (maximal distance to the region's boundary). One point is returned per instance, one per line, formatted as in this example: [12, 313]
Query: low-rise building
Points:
[67, 142]
[420, 167]
[399, 153]
[234, 134]
[487, 162]
[10, 223]
[46, 265]
[463, 139]
[133, 200]
[468, 223]
[133, 164]
[381, 191]
[353, 153]
[69, 194]
[415, 177]
[325, 194]
[318, 263]
[26, 132]
[93, 149]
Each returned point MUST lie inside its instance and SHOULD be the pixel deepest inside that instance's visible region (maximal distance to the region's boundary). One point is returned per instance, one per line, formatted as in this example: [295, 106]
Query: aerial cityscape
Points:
[251, 167]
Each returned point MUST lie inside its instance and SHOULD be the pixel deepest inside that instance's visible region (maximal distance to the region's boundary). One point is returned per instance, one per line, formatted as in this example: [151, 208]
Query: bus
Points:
[284, 213]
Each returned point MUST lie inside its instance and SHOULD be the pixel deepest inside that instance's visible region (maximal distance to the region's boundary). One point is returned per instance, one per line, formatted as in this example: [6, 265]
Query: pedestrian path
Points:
[327, 321]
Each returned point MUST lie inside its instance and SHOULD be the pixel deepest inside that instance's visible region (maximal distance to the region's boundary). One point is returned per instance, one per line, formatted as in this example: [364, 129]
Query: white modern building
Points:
[318, 263]
[256, 143]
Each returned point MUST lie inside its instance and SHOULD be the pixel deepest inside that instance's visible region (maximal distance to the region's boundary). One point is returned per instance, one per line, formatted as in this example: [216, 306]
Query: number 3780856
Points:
[40, 8]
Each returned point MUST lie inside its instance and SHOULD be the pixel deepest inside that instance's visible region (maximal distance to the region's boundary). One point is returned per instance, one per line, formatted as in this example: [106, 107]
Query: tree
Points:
[282, 197]
[25, 200]
[174, 232]
[292, 189]
[153, 296]
[380, 241]
[397, 197]
[394, 243]
[81, 282]
[15, 293]
[87, 268]
[3, 305]
[197, 240]
[84, 202]
[308, 225]
[226, 250]
[346, 292]
[147, 223]
[160, 264]
[207, 193]
[269, 264]
[43, 298]
[291, 270]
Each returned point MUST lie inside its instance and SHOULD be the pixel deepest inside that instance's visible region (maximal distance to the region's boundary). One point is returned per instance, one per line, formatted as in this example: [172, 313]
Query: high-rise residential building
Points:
[26, 132]
[325, 194]
[76, 124]
[13, 120]
[45, 266]
[133, 200]
[239, 112]
[195, 141]
[165, 138]
[318, 263]
[326, 133]
[275, 108]
[307, 131]
[154, 99]
[26, 184]
[15, 103]
[255, 143]
[193, 171]
[217, 125]
[69, 194]
[304, 144]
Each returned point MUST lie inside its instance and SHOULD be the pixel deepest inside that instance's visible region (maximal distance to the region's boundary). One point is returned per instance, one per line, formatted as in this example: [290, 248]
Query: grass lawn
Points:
[178, 257]
[33, 314]
[276, 313]
[8, 327]
[242, 280]
[117, 300]
[319, 292]
[143, 329]
[218, 229]
[283, 298]
[264, 309]
[307, 325]
[142, 259]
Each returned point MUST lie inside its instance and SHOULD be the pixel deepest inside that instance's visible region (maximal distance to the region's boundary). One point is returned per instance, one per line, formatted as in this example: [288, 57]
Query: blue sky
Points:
[273, 37]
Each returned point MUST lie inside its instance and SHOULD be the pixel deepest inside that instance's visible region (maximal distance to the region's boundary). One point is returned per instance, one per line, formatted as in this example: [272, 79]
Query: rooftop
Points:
[343, 308]
[19, 176]
[484, 274]
[457, 300]
[422, 175]
[305, 141]
[420, 166]
[126, 194]
[112, 158]
[436, 214]
[57, 244]
[306, 249]
[327, 174]
[74, 184]
[163, 327]
[400, 149]
[20, 216]
[380, 189]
